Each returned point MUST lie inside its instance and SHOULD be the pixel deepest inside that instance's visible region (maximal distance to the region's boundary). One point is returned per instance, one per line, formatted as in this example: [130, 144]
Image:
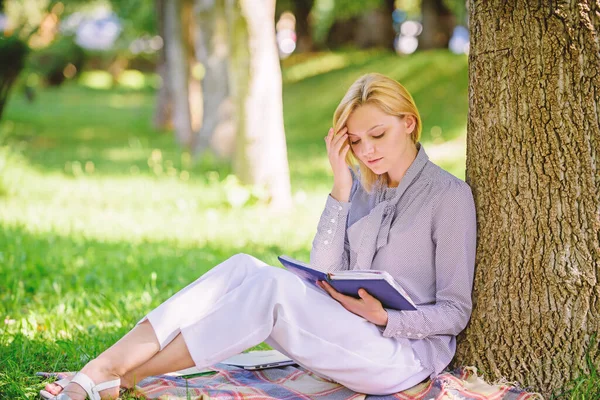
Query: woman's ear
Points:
[410, 123]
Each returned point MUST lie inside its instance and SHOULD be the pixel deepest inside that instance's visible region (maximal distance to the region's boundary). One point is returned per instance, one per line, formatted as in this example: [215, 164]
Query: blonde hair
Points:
[392, 98]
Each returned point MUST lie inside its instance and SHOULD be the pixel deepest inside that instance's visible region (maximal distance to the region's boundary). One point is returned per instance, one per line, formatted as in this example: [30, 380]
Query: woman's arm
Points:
[454, 235]
[330, 249]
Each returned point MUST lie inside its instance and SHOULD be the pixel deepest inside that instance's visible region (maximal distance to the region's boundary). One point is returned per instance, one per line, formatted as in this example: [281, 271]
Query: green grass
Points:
[102, 217]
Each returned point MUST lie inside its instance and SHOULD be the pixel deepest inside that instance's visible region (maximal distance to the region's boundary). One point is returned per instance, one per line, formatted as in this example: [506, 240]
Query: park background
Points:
[105, 211]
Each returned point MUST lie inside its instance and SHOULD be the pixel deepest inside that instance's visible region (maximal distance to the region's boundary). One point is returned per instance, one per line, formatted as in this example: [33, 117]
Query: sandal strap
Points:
[107, 385]
[91, 388]
[63, 382]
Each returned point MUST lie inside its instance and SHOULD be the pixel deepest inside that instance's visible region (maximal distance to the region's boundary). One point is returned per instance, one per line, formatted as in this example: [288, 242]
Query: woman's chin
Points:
[378, 171]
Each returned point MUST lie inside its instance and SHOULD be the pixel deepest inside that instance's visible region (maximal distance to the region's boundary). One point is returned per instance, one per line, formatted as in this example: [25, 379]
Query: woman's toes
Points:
[53, 388]
[75, 391]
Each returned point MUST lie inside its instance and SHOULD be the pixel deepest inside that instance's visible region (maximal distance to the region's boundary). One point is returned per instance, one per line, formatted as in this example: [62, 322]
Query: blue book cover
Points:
[379, 284]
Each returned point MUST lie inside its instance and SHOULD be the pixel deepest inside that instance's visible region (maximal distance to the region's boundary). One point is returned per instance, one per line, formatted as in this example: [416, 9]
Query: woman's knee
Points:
[242, 262]
[282, 281]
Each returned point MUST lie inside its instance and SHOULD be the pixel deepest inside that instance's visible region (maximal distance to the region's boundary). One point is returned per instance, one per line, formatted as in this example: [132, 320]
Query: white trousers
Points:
[243, 302]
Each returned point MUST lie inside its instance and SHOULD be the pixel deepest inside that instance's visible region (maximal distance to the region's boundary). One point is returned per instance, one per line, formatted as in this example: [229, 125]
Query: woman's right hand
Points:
[337, 148]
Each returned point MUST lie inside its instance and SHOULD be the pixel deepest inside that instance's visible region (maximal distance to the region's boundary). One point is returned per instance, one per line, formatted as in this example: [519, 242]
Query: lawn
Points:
[102, 217]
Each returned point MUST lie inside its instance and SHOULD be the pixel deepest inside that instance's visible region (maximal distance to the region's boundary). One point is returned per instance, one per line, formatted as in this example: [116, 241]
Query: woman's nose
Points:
[368, 149]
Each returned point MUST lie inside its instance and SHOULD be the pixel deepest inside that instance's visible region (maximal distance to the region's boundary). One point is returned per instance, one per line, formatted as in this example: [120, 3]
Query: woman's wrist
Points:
[382, 320]
[341, 193]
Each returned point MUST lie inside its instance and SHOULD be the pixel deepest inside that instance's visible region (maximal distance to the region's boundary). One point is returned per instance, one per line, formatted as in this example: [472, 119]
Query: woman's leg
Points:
[273, 305]
[276, 306]
[133, 349]
[174, 357]
[144, 341]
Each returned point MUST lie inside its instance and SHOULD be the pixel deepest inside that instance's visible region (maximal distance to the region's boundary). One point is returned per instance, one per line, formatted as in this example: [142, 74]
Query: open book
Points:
[378, 284]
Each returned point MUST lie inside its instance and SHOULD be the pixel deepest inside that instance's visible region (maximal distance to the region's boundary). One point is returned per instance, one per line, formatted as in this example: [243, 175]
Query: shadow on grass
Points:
[74, 130]
[39, 269]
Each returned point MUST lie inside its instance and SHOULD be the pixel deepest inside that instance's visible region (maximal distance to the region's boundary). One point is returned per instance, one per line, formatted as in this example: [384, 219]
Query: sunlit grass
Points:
[102, 217]
[96, 79]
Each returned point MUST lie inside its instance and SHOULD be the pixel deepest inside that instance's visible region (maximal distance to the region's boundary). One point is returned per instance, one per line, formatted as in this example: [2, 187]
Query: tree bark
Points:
[532, 162]
[212, 50]
[178, 71]
[163, 110]
[373, 28]
[189, 30]
[261, 155]
[376, 28]
[438, 25]
[304, 41]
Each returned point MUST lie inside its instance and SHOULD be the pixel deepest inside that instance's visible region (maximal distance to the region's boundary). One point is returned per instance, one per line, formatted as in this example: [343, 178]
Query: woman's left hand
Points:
[367, 306]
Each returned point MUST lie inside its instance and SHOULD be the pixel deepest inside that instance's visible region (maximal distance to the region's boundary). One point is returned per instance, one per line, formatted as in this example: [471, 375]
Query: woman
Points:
[397, 212]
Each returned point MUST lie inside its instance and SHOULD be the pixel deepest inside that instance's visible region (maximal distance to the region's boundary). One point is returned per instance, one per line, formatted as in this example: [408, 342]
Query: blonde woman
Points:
[394, 211]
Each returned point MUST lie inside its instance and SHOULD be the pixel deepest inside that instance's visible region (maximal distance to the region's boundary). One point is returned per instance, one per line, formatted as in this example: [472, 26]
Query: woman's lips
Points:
[371, 162]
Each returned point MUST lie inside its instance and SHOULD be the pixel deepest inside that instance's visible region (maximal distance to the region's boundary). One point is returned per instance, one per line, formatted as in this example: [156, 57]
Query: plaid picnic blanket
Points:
[291, 382]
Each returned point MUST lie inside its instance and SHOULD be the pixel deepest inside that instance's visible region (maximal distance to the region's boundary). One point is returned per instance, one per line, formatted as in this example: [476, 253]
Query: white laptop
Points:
[254, 360]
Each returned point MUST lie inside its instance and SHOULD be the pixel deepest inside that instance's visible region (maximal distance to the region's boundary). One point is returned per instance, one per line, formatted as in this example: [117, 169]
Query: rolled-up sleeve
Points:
[454, 235]
[330, 248]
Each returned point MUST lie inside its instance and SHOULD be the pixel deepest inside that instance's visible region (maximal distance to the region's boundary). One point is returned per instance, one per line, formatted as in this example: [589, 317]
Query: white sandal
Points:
[92, 390]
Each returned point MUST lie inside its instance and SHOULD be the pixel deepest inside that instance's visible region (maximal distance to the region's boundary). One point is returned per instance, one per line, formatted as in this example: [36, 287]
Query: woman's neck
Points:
[394, 177]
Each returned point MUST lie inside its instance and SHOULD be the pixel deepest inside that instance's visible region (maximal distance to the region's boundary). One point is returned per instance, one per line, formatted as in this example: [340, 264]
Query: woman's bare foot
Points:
[98, 373]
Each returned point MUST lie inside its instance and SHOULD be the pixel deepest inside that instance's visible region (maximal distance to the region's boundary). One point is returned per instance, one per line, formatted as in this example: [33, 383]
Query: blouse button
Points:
[409, 334]
[329, 231]
[326, 242]
[420, 335]
[332, 220]
[340, 208]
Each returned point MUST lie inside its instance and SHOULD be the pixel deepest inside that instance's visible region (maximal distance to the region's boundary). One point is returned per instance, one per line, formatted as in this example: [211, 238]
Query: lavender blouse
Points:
[423, 233]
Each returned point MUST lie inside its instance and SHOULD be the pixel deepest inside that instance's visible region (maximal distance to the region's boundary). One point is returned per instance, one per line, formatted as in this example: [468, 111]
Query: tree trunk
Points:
[532, 162]
[189, 29]
[372, 28]
[438, 25]
[178, 71]
[304, 41]
[15, 51]
[376, 28]
[163, 111]
[261, 155]
[342, 32]
[212, 50]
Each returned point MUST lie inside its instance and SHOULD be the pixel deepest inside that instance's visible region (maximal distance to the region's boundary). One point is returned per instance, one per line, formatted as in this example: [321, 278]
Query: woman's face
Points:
[381, 141]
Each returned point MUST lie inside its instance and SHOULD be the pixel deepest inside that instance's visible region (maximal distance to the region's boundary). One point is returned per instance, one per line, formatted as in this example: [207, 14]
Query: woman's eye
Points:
[379, 137]
[355, 142]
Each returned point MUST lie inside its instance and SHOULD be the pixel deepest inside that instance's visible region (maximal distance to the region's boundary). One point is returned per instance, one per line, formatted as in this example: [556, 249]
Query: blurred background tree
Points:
[13, 51]
[203, 93]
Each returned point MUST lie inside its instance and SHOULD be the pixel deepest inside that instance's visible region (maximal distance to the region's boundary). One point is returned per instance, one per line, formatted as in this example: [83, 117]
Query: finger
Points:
[363, 294]
[345, 150]
[325, 288]
[342, 131]
[337, 135]
[339, 142]
[332, 292]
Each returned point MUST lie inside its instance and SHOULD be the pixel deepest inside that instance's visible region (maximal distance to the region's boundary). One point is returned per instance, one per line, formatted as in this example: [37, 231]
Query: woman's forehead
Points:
[367, 118]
